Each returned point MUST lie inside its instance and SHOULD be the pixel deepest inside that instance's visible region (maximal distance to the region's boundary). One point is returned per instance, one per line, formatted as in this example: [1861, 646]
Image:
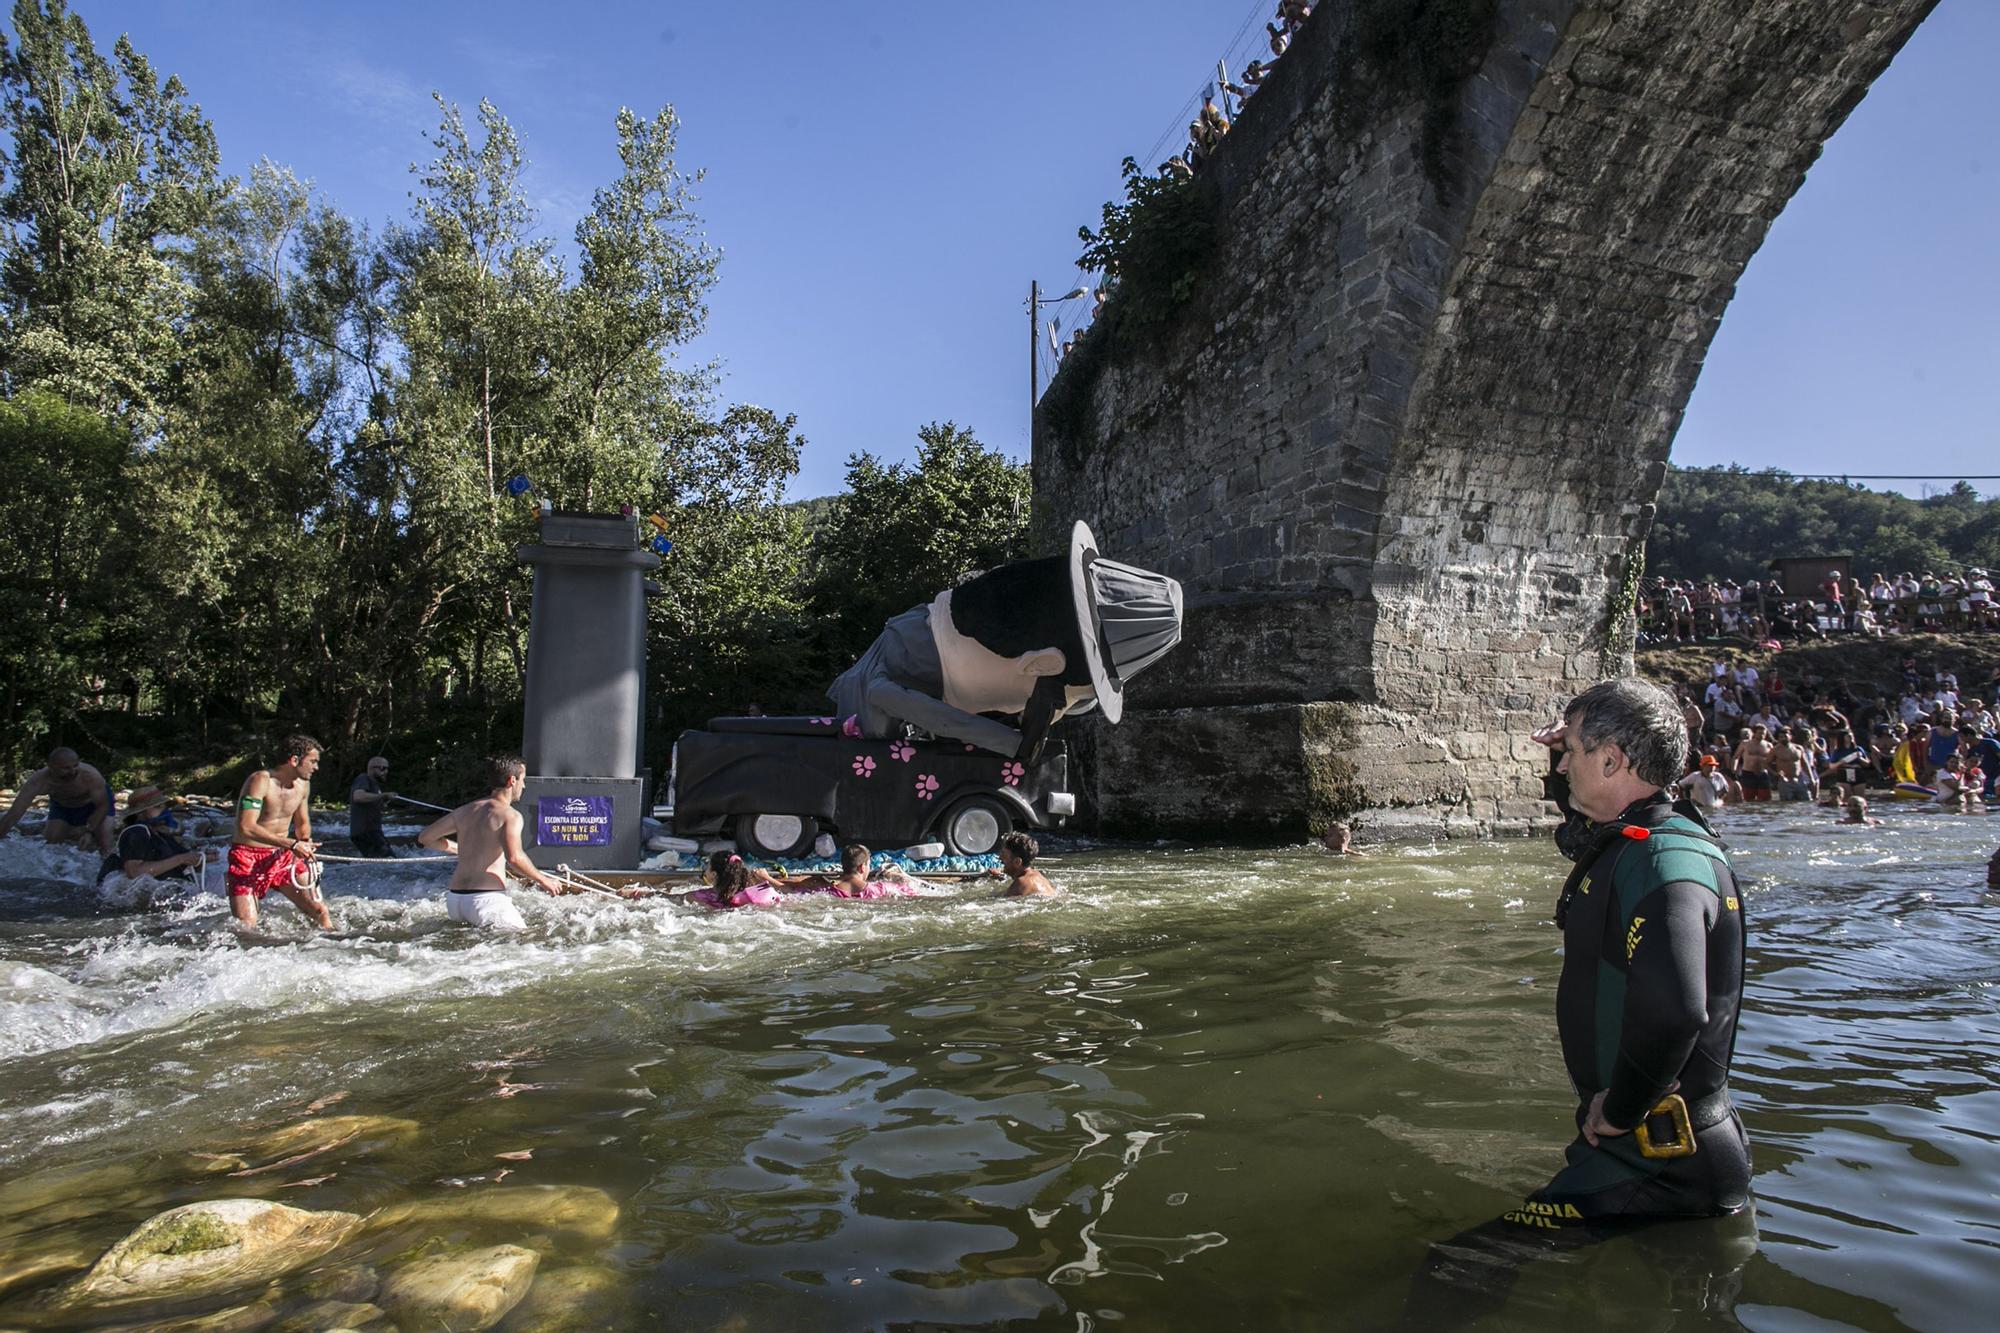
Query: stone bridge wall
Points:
[1402, 445]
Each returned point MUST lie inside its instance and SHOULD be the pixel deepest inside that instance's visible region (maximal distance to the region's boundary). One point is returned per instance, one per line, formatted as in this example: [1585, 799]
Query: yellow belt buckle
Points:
[1672, 1107]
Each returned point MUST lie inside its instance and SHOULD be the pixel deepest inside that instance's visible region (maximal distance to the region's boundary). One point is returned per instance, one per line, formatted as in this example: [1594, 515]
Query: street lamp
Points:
[1035, 303]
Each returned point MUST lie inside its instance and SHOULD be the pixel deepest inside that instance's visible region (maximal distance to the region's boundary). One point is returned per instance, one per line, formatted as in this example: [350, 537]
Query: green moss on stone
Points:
[190, 1233]
[1333, 783]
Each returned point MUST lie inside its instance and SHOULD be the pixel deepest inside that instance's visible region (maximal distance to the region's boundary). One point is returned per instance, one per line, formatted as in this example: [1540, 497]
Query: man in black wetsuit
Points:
[1652, 976]
[1646, 1007]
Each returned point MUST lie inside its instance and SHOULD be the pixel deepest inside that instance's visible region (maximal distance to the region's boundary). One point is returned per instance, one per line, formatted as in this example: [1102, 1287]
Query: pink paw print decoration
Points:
[926, 786]
[1012, 773]
[902, 752]
[864, 766]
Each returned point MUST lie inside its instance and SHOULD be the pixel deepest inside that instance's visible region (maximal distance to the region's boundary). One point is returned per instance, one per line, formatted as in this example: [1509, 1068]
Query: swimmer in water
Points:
[1857, 812]
[485, 835]
[853, 881]
[732, 883]
[1339, 839]
[1017, 865]
[1993, 871]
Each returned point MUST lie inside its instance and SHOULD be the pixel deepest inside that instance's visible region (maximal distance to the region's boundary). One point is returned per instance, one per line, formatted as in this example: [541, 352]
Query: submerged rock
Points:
[207, 1248]
[574, 1210]
[460, 1292]
[309, 1138]
[236, 1319]
[568, 1300]
[355, 1284]
[25, 1262]
[323, 1315]
[66, 1192]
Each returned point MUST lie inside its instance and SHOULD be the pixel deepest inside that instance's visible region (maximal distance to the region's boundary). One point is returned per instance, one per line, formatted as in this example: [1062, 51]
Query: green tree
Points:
[110, 174]
[62, 482]
[1730, 523]
[903, 533]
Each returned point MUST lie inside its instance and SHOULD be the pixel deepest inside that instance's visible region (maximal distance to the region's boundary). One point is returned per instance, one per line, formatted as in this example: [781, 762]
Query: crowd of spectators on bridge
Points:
[1764, 611]
[1210, 124]
[1756, 736]
[1208, 127]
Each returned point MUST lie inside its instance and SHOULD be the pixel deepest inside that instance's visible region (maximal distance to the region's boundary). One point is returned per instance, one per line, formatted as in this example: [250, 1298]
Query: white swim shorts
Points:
[490, 911]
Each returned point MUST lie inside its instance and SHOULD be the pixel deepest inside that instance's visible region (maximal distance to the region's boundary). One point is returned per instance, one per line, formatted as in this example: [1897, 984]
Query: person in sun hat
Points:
[149, 846]
[1035, 639]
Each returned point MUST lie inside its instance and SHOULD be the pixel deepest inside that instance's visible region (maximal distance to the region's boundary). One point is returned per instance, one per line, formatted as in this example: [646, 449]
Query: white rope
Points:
[310, 885]
[383, 860]
[577, 880]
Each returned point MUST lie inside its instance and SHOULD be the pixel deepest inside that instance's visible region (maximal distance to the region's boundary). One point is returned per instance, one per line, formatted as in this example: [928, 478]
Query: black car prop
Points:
[776, 783]
[980, 672]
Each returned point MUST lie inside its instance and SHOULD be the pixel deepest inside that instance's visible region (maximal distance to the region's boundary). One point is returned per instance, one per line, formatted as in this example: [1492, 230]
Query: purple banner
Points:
[573, 821]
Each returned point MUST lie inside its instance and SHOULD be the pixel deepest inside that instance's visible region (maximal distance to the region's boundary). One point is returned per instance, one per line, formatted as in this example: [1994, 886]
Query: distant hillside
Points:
[1731, 523]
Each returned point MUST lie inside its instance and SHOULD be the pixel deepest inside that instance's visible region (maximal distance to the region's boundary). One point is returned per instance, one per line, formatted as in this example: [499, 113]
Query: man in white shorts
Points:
[488, 843]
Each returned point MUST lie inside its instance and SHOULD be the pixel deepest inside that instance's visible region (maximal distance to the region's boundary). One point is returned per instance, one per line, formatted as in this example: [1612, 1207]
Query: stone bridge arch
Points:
[1402, 445]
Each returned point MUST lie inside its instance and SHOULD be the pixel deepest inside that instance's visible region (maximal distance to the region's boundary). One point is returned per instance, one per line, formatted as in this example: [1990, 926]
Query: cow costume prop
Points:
[1035, 640]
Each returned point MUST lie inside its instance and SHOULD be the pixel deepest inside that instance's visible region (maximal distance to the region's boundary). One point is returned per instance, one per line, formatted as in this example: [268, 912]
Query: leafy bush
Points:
[1151, 248]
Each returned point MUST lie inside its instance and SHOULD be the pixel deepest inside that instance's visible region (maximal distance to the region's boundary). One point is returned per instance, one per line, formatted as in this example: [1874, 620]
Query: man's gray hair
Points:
[1639, 718]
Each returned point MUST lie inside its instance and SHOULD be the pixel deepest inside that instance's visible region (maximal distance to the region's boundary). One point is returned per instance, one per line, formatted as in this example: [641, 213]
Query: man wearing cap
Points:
[364, 809]
[1706, 786]
[80, 806]
[1034, 639]
[149, 846]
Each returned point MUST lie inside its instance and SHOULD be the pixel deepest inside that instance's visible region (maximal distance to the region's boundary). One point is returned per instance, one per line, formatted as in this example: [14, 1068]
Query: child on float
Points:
[854, 879]
[733, 883]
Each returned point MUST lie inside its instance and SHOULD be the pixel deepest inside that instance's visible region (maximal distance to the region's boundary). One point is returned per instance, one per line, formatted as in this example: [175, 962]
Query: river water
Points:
[1206, 1089]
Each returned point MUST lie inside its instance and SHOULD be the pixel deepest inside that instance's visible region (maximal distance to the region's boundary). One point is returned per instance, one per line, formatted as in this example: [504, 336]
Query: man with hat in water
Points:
[1037, 639]
[1652, 976]
[80, 806]
[150, 847]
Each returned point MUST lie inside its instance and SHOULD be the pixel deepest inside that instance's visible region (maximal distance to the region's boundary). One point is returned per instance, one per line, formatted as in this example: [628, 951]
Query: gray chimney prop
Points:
[582, 728]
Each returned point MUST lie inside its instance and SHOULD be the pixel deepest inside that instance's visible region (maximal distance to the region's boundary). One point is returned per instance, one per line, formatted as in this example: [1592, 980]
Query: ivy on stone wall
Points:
[1621, 611]
[1400, 49]
[1152, 249]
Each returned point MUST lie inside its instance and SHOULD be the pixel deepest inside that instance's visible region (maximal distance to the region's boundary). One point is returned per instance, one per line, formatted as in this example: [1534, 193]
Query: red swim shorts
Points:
[258, 870]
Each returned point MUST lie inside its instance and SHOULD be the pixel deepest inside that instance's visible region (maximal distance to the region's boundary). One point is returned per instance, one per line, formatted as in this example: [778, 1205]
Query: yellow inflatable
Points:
[1903, 769]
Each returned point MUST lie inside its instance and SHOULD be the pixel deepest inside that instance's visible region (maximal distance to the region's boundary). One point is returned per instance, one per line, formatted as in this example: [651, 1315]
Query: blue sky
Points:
[885, 178]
